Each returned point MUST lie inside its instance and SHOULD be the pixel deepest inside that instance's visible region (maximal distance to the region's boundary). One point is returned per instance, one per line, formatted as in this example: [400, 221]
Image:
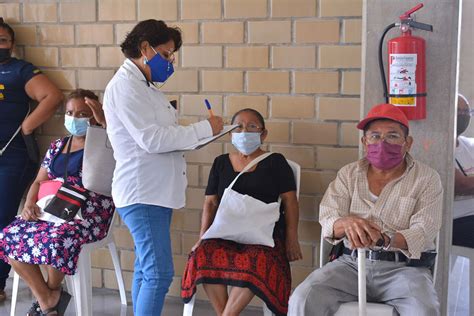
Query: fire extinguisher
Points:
[406, 67]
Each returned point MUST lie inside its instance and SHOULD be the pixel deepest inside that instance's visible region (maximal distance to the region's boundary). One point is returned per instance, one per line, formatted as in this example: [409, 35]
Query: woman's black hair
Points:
[254, 112]
[81, 94]
[9, 29]
[154, 32]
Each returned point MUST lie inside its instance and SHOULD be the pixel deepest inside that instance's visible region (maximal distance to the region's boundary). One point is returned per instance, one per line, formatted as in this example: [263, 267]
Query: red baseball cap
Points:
[384, 111]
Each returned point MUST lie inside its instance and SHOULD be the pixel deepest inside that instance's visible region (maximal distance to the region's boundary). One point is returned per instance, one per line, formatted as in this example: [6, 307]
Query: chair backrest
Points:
[297, 172]
[112, 224]
[324, 249]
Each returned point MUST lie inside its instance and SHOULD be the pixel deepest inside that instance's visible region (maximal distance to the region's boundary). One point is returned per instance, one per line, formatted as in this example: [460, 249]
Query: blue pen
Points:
[208, 105]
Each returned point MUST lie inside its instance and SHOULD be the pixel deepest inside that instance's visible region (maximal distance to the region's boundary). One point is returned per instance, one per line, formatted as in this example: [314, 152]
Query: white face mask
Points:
[246, 143]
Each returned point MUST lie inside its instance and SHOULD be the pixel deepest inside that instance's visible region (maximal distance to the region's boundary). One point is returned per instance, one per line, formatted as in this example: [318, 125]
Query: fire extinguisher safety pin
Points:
[418, 25]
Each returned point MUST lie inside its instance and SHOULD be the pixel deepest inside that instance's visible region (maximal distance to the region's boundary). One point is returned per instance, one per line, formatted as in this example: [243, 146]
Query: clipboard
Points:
[203, 142]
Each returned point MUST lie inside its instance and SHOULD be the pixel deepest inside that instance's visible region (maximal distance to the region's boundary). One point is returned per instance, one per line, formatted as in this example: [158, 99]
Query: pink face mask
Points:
[384, 156]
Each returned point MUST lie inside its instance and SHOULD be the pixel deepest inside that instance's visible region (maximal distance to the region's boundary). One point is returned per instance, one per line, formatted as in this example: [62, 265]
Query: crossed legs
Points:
[228, 304]
[46, 292]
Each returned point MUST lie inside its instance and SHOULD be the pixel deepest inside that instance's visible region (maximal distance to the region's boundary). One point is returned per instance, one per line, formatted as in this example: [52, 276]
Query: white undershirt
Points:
[373, 197]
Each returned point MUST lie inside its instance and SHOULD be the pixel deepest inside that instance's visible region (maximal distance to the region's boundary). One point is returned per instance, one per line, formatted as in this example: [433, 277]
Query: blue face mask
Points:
[76, 126]
[161, 69]
[246, 143]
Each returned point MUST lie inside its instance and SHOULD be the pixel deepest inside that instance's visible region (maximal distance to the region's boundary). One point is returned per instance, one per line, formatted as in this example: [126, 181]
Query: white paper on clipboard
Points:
[203, 142]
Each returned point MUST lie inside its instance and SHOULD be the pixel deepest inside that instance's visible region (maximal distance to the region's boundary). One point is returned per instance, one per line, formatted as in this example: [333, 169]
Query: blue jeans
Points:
[16, 173]
[150, 229]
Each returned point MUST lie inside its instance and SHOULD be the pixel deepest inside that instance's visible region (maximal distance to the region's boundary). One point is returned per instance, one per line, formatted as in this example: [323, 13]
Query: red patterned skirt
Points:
[264, 270]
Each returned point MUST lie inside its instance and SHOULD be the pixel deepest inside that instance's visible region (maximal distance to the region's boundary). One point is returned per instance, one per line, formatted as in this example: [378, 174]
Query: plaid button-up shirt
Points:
[410, 205]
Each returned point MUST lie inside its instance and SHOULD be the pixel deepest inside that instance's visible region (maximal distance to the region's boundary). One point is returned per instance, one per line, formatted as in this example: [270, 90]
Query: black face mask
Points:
[462, 124]
[4, 54]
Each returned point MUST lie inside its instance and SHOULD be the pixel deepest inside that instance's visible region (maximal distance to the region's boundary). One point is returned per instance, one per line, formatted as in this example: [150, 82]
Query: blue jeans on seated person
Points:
[150, 229]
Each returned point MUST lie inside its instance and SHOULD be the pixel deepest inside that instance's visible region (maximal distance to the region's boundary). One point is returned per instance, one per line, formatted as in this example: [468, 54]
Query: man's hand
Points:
[360, 232]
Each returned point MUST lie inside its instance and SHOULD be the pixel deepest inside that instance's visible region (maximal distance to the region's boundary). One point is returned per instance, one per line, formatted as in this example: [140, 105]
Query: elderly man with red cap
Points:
[390, 204]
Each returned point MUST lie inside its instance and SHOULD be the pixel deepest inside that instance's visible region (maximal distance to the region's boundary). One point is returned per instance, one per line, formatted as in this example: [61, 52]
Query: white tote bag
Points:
[244, 219]
[98, 163]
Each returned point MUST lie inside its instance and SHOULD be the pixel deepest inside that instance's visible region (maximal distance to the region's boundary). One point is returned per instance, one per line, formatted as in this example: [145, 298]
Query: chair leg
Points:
[118, 272]
[70, 285]
[471, 285]
[82, 285]
[15, 287]
[267, 311]
[188, 308]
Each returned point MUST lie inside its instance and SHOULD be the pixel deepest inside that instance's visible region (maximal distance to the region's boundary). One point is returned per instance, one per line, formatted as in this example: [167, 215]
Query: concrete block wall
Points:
[295, 61]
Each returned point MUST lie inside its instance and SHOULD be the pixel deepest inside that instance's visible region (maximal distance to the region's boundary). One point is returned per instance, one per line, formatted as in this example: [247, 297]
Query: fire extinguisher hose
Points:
[382, 71]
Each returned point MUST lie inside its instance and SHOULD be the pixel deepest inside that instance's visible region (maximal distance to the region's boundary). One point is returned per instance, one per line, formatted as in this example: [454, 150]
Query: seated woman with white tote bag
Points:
[249, 226]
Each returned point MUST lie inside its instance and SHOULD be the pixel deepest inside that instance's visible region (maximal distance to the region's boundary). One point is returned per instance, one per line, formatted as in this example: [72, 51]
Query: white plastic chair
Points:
[80, 284]
[189, 307]
[361, 308]
[469, 254]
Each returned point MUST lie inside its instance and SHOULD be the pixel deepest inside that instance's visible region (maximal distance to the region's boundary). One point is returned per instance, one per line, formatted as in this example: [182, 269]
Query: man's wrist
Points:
[390, 238]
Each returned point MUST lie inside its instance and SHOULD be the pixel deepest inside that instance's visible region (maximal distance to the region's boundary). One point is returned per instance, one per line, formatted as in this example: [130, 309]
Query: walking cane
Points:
[361, 278]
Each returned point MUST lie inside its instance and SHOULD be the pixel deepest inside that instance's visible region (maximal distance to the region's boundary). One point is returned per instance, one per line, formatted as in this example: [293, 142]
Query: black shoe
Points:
[34, 310]
[60, 307]
[3, 296]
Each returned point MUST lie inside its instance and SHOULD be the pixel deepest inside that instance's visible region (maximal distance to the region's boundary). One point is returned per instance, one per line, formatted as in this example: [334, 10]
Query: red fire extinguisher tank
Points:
[407, 74]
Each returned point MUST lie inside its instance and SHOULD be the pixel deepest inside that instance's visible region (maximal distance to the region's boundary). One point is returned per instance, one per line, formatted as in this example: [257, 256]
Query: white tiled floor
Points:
[107, 303]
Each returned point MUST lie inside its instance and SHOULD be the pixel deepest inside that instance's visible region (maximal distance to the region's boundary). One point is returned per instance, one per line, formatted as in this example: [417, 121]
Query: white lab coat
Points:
[143, 129]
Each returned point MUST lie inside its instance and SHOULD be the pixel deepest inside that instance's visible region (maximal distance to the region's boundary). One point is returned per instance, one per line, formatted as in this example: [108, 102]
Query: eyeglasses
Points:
[466, 112]
[4, 41]
[251, 127]
[391, 138]
[166, 54]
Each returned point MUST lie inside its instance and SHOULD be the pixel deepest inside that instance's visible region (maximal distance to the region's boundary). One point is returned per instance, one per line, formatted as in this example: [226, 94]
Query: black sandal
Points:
[34, 310]
[60, 307]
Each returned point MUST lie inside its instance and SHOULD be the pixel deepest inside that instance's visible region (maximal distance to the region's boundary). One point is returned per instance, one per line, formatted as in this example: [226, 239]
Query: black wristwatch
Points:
[390, 236]
[380, 242]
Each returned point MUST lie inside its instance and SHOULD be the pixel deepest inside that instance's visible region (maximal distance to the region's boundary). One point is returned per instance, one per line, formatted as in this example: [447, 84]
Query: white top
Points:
[373, 197]
[143, 129]
[464, 153]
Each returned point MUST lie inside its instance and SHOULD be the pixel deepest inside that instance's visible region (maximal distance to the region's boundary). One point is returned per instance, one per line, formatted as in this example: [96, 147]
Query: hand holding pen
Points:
[216, 121]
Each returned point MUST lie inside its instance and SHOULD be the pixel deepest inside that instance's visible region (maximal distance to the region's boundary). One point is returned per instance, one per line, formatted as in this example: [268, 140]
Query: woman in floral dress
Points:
[29, 242]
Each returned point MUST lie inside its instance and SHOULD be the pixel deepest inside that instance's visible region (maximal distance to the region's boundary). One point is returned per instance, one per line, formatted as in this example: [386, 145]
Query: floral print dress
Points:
[58, 244]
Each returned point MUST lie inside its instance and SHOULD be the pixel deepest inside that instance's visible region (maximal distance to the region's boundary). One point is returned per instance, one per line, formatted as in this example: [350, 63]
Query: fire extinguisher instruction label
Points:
[403, 78]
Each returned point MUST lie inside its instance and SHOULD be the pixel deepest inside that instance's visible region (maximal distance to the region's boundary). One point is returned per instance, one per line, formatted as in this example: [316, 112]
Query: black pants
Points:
[16, 173]
[463, 231]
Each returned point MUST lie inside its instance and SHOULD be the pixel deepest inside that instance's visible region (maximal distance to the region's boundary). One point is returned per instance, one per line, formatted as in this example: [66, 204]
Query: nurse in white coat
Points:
[150, 177]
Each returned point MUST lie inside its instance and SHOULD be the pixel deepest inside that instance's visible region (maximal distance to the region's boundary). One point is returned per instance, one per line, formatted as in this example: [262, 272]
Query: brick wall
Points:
[295, 61]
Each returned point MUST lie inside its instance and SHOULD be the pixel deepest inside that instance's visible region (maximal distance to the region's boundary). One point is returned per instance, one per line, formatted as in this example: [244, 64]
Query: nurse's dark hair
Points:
[254, 112]
[154, 32]
[9, 29]
[81, 94]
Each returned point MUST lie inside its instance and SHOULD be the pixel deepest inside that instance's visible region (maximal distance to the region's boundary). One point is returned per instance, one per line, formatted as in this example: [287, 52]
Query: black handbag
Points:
[31, 144]
[31, 147]
[69, 199]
